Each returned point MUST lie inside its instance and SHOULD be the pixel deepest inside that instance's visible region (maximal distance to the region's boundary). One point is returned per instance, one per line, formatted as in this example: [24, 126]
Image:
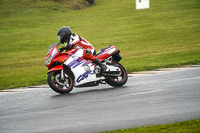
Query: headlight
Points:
[48, 61]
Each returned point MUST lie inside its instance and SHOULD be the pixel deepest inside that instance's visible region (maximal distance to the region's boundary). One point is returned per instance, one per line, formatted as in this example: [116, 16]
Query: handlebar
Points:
[63, 48]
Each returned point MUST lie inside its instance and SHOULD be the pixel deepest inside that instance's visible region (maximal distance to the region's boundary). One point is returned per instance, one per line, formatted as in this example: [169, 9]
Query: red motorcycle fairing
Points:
[56, 68]
[106, 53]
[59, 57]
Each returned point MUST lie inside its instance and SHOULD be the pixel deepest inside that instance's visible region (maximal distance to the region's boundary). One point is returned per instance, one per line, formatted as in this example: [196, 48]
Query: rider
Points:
[74, 41]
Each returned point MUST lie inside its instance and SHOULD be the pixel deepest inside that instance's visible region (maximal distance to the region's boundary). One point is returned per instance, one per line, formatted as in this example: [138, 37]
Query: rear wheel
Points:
[118, 81]
[59, 85]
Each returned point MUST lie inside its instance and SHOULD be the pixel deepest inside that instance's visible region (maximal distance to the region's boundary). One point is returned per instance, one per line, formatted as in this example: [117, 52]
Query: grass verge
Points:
[191, 126]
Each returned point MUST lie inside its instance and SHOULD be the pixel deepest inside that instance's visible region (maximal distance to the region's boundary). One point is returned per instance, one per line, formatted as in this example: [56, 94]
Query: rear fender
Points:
[116, 56]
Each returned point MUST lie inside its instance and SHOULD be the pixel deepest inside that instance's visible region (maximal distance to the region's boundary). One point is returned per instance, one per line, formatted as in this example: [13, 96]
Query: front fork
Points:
[62, 74]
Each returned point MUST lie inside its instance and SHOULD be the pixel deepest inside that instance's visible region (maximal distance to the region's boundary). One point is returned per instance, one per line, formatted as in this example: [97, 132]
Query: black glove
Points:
[66, 47]
[69, 45]
[88, 51]
[63, 48]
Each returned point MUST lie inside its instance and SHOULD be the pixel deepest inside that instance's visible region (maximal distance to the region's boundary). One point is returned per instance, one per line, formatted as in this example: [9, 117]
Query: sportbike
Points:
[69, 69]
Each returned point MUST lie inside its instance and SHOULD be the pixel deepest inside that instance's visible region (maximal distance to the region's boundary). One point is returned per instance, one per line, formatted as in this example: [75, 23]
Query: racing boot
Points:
[101, 65]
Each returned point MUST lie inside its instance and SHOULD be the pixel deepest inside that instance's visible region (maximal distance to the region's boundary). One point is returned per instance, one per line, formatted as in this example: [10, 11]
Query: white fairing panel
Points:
[82, 69]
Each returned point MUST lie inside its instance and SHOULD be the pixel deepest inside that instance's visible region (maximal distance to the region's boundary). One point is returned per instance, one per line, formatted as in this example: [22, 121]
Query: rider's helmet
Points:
[64, 34]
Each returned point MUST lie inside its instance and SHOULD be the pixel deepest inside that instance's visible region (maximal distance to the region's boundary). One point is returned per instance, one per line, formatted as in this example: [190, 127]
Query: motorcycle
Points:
[69, 69]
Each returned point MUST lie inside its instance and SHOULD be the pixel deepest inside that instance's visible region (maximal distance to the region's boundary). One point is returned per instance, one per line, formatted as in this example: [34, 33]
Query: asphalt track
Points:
[145, 100]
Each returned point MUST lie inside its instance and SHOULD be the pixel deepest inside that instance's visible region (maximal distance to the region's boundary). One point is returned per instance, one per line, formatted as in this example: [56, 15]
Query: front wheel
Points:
[118, 81]
[59, 85]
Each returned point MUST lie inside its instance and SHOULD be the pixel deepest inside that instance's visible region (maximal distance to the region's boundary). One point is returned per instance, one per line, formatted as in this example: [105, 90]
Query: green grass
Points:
[166, 35]
[192, 126]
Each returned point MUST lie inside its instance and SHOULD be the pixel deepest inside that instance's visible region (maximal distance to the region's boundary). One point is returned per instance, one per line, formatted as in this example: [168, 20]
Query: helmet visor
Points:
[59, 38]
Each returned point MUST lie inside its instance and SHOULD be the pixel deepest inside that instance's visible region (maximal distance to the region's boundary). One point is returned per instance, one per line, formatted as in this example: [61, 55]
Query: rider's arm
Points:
[66, 47]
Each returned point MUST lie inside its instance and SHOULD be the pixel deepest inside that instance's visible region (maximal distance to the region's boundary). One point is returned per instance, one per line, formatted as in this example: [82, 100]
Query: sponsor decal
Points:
[78, 62]
[83, 76]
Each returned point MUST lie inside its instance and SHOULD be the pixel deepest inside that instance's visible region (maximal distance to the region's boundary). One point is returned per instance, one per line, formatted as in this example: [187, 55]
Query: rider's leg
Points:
[89, 56]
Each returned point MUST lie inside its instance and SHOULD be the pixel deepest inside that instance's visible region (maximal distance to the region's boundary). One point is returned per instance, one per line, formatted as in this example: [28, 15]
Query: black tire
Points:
[118, 81]
[60, 86]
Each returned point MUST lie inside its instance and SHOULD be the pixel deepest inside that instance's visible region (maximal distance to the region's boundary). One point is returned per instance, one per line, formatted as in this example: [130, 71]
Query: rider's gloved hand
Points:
[68, 45]
[63, 48]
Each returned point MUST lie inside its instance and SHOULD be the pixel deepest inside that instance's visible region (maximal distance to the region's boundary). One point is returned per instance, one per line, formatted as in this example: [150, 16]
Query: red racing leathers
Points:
[77, 41]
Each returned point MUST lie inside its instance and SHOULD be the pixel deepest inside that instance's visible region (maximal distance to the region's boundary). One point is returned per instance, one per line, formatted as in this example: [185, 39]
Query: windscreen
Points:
[52, 46]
